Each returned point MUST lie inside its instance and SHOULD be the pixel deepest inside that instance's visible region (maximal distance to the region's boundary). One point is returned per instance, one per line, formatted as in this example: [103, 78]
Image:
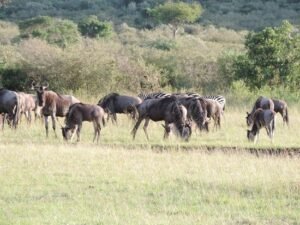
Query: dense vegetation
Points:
[90, 54]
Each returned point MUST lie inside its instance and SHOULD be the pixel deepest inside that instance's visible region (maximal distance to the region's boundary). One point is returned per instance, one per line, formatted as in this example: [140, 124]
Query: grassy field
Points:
[121, 181]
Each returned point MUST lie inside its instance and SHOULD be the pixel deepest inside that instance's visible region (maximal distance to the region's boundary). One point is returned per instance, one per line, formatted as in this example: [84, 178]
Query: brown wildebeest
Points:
[262, 118]
[114, 103]
[261, 102]
[53, 104]
[214, 111]
[80, 112]
[281, 107]
[9, 107]
[166, 109]
[28, 104]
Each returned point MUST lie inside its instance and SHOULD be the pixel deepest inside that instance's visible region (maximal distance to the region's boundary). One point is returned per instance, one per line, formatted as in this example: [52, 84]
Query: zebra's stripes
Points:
[219, 98]
[145, 96]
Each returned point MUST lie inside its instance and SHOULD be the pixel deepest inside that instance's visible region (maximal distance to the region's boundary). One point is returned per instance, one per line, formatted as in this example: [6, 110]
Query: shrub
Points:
[54, 31]
[93, 28]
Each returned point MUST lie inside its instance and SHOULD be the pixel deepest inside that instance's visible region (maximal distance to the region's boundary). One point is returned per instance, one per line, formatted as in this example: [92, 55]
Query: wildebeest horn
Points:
[33, 85]
[46, 86]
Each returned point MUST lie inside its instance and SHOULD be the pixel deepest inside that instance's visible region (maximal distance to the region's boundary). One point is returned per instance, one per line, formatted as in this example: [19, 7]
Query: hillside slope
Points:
[234, 14]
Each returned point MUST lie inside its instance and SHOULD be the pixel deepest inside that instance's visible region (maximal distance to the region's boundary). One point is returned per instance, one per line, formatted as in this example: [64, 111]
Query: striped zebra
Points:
[145, 96]
[219, 98]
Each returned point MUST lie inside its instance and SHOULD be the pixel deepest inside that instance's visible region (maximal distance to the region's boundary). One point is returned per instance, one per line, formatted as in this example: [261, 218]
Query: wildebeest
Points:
[214, 111]
[195, 110]
[262, 118]
[53, 104]
[165, 109]
[114, 103]
[28, 104]
[9, 106]
[80, 112]
[261, 102]
[281, 107]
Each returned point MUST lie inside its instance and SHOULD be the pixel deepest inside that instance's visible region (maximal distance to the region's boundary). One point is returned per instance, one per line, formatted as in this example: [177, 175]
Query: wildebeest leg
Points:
[46, 124]
[145, 127]
[3, 120]
[29, 116]
[54, 123]
[256, 137]
[78, 132]
[167, 130]
[74, 132]
[136, 127]
[114, 118]
[97, 129]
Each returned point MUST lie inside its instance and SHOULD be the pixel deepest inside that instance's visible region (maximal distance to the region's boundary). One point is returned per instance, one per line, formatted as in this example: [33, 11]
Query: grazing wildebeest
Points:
[80, 112]
[9, 106]
[281, 107]
[114, 103]
[187, 130]
[261, 102]
[195, 110]
[53, 104]
[164, 109]
[262, 118]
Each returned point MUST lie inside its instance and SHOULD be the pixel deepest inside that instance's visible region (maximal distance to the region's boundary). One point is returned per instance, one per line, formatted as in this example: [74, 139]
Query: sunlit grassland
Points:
[121, 181]
[88, 184]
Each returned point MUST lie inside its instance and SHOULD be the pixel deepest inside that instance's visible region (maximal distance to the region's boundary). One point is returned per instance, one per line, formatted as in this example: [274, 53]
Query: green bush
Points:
[93, 28]
[54, 31]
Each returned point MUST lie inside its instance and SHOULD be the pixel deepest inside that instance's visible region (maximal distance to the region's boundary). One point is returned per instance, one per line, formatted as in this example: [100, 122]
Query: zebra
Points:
[154, 95]
[219, 98]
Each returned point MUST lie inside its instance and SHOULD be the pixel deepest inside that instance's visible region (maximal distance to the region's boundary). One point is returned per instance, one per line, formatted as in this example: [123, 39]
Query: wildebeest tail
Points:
[286, 118]
[103, 121]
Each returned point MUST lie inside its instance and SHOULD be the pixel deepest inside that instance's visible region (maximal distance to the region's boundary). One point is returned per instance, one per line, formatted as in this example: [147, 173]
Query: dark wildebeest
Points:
[114, 103]
[164, 109]
[195, 110]
[80, 112]
[261, 102]
[281, 107]
[262, 118]
[53, 104]
[9, 107]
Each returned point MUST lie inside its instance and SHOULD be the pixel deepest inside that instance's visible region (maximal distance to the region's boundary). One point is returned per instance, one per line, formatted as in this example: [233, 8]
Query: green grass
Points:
[121, 181]
[88, 184]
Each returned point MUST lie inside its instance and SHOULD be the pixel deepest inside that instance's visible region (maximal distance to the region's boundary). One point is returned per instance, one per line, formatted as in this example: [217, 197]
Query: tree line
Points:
[98, 55]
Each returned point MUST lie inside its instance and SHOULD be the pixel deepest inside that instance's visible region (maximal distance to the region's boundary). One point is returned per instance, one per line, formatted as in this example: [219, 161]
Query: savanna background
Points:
[89, 48]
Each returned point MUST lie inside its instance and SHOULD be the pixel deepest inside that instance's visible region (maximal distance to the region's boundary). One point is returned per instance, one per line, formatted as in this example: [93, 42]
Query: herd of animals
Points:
[179, 111]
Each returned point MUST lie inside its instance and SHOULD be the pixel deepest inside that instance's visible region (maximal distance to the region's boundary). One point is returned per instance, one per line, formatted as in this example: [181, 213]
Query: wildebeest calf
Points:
[80, 112]
[262, 118]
